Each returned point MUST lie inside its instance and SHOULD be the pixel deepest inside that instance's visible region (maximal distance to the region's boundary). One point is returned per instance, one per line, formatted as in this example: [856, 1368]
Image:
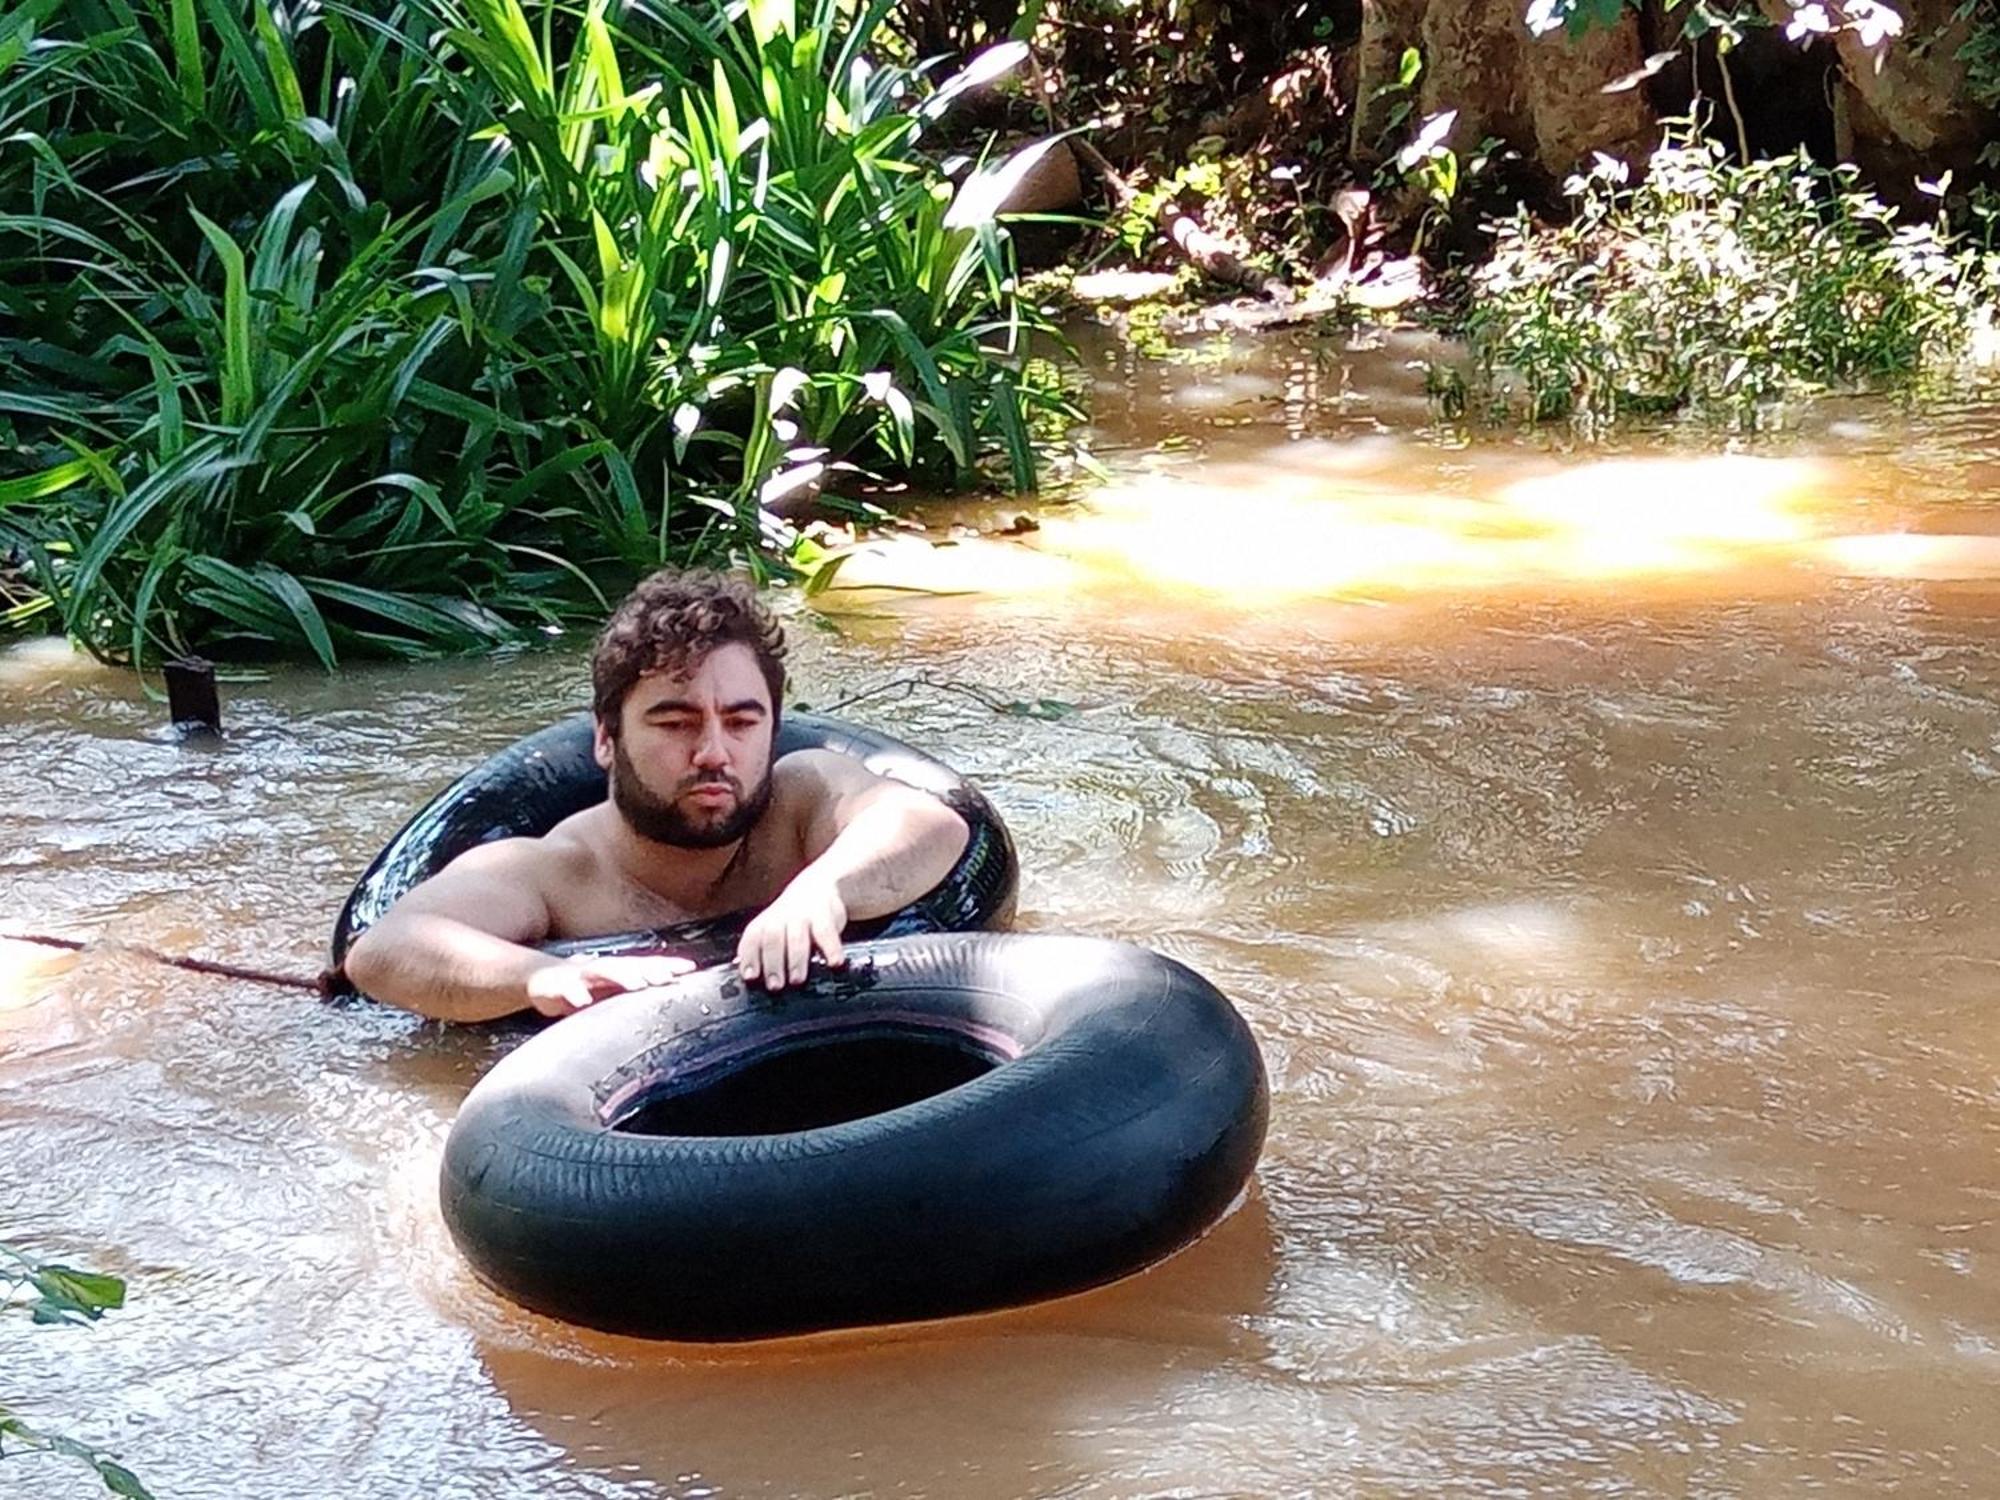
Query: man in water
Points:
[687, 681]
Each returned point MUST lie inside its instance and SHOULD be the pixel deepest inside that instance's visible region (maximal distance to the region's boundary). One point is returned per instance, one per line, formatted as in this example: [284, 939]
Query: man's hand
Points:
[778, 945]
[566, 985]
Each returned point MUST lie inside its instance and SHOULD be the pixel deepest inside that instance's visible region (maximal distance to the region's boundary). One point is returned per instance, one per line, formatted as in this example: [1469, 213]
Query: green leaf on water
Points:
[67, 1293]
[121, 1481]
[820, 579]
[1048, 709]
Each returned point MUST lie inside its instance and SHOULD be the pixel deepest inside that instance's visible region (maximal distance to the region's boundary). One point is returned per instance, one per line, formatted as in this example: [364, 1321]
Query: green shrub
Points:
[409, 328]
[1716, 288]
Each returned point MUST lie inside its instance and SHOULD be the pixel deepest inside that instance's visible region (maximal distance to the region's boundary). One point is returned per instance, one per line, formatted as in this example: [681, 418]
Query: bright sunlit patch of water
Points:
[1324, 524]
[27, 971]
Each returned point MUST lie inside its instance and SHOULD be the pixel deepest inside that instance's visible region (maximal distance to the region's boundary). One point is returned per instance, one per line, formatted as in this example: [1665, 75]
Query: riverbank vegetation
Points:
[332, 330]
[1717, 288]
[338, 328]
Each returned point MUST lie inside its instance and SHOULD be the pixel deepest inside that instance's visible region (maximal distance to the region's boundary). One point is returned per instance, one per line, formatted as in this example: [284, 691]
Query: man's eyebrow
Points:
[687, 706]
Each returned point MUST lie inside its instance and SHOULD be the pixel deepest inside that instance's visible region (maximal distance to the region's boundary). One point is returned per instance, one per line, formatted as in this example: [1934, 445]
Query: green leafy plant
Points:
[418, 328]
[1980, 52]
[1402, 90]
[1139, 222]
[52, 1293]
[1430, 165]
[1718, 288]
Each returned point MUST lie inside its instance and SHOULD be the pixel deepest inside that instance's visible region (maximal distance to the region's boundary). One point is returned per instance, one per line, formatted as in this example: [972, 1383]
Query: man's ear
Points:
[600, 744]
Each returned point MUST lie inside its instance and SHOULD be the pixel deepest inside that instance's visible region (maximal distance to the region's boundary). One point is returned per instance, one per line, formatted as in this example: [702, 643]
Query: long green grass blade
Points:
[239, 385]
[278, 62]
[934, 383]
[159, 565]
[50, 481]
[1003, 401]
[190, 64]
[227, 24]
[421, 619]
[293, 596]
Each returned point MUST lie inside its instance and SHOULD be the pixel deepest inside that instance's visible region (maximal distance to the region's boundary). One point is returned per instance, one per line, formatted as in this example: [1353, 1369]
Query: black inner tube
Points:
[809, 1085]
[711, 1161]
[538, 781]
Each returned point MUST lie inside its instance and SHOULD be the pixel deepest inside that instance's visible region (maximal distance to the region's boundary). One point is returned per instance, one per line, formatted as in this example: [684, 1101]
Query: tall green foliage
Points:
[409, 328]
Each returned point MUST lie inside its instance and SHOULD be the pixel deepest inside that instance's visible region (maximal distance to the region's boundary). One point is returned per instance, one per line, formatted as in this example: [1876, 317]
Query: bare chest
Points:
[608, 900]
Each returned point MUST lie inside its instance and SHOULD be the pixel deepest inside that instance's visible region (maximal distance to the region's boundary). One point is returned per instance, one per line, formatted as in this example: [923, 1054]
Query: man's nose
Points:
[711, 751]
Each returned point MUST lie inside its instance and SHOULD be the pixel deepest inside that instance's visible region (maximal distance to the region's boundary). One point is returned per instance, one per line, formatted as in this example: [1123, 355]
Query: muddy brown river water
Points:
[1603, 846]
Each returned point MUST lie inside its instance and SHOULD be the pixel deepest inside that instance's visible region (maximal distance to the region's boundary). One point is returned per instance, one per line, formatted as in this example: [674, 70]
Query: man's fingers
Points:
[777, 948]
[798, 949]
[654, 968]
[826, 936]
[610, 976]
[771, 956]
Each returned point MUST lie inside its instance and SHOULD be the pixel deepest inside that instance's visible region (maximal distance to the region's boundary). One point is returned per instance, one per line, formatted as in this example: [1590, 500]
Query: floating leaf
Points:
[68, 1293]
[1039, 708]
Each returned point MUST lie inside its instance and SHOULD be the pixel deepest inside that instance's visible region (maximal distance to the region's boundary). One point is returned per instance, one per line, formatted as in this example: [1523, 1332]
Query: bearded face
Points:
[706, 809]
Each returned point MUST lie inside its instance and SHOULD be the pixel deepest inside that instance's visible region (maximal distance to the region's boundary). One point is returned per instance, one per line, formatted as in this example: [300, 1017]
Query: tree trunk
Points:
[1543, 95]
[1905, 99]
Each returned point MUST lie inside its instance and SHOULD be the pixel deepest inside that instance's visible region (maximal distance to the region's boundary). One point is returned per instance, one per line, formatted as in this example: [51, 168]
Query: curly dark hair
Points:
[670, 623]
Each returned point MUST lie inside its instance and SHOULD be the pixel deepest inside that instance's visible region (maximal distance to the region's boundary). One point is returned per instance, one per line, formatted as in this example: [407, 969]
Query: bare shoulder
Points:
[499, 856]
[516, 859]
[812, 774]
[510, 869]
[813, 792]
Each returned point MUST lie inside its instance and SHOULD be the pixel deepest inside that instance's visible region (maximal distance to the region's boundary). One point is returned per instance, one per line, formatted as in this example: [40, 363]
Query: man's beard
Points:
[661, 818]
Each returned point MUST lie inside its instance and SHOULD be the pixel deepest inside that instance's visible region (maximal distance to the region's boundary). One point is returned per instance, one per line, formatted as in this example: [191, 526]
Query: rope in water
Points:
[321, 985]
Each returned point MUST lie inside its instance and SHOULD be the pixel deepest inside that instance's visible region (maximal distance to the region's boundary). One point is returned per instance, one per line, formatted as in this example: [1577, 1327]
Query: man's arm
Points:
[458, 946]
[872, 845]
